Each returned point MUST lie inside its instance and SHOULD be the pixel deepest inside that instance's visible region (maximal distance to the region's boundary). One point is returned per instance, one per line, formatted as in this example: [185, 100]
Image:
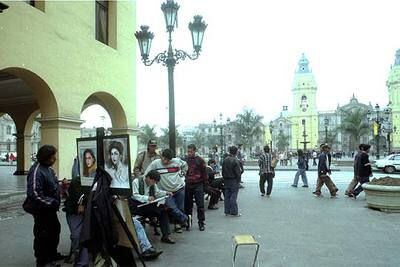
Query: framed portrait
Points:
[87, 157]
[117, 163]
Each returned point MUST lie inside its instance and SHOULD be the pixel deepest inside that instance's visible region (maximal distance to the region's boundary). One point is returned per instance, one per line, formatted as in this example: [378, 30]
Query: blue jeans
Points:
[230, 197]
[176, 204]
[303, 174]
[75, 226]
[141, 235]
[359, 189]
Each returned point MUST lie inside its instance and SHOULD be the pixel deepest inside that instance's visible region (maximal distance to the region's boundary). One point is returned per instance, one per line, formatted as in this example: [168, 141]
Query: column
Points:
[61, 132]
[24, 152]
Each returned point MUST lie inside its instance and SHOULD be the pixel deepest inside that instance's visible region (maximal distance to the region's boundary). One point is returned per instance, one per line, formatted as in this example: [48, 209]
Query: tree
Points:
[356, 125]
[147, 133]
[198, 139]
[247, 127]
[282, 141]
[164, 138]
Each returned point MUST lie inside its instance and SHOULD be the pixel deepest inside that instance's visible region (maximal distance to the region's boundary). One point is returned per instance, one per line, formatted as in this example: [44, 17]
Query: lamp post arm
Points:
[181, 55]
[160, 58]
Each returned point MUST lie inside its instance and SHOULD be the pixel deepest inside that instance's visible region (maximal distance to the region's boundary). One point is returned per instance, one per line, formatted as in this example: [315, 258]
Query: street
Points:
[293, 229]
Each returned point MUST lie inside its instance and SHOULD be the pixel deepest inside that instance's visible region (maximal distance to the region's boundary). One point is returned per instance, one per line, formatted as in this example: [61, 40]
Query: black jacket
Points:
[98, 231]
[323, 164]
[74, 194]
[231, 168]
[42, 192]
[363, 171]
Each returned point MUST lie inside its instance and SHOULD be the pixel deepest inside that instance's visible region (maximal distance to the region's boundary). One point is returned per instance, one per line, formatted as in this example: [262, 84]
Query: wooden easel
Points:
[100, 133]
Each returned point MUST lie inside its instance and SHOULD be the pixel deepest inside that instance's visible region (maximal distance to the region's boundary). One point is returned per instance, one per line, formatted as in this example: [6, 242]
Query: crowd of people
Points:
[164, 190]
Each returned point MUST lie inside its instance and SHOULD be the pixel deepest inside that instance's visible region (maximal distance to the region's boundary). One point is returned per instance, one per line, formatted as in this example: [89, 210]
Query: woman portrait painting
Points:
[115, 166]
[89, 166]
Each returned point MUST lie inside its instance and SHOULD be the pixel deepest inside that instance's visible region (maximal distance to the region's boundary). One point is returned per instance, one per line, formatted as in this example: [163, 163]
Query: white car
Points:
[389, 164]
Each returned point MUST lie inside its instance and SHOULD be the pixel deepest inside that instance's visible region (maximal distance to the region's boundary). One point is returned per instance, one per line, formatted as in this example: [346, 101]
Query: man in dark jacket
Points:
[364, 170]
[43, 202]
[231, 172]
[323, 173]
[196, 179]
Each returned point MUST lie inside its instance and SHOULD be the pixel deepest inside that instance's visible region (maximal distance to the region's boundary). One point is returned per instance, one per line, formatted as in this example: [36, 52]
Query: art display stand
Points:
[100, 163]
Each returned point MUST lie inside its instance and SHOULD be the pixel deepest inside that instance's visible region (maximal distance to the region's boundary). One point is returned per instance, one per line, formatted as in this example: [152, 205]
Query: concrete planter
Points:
[383, 197]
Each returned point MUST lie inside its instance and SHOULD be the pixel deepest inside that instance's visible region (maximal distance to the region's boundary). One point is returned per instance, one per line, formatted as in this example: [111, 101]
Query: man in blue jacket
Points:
[323, 173]
[43, 202]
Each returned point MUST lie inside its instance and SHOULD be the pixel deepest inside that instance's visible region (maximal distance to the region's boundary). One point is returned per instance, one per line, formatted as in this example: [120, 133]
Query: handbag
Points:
[274, 162]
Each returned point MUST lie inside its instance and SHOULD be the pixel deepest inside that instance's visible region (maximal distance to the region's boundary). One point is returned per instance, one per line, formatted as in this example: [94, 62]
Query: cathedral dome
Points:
[394, 76]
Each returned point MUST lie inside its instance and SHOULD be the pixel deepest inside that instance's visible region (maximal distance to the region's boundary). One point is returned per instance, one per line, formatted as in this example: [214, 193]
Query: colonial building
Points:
[58, 58]
[305, 127]
[393, 84]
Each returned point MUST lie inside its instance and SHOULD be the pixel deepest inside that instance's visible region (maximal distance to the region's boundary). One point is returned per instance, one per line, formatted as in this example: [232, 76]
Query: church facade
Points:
[304, 127]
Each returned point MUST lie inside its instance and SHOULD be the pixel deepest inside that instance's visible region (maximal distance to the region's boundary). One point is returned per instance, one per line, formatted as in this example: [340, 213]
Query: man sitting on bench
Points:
[145, 191]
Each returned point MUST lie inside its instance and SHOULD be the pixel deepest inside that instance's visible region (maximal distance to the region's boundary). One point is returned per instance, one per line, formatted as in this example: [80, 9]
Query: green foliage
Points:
[282, 141]
[247, 125]
[147, 132]
[356, 125]
[164, 138]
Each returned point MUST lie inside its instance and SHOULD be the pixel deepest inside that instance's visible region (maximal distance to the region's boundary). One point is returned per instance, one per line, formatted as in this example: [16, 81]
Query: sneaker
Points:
[178, 229]
[293, 185]
[305, 186]
[236, 215]
[317, 194]
[151, 254]
[213, 207]
[262, 194]
[167, 239]
[334, 196]
[201, 226]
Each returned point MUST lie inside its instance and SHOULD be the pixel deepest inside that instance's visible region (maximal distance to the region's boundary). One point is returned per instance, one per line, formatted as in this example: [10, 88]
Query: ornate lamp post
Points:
[3, 7]
[378, 117]
[389, 130]
[326, 123]
[271, 129]
[171, 57]
[222, 127]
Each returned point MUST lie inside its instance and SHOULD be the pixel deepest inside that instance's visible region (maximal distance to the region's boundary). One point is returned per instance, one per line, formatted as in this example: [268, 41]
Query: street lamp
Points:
[326, 122]
[171, 57]
[378, 117]
[389, 130]
[222, 127]
[3, 7]
[271, 129]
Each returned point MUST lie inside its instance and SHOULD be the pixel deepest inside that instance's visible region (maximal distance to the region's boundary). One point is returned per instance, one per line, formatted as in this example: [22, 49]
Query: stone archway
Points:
[23, 94]
[118, 117]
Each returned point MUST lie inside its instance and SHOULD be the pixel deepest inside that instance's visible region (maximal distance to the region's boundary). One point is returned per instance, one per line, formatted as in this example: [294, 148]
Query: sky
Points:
[250, 53]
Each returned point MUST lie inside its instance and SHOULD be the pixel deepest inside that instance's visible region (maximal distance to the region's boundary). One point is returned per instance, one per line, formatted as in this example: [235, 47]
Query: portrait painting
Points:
[87, 154]
[117, 163]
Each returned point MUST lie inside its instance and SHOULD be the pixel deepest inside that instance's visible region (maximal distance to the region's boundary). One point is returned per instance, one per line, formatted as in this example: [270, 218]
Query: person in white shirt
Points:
[146, 191]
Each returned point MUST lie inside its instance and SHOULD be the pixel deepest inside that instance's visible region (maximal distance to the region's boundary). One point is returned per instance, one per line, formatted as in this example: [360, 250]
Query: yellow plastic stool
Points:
[244, 240]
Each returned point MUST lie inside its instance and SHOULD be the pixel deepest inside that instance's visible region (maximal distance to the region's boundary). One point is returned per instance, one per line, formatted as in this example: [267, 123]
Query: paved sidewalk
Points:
[293, 228]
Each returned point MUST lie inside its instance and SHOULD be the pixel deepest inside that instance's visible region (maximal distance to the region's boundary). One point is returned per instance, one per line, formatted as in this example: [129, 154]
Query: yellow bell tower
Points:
[393, 84]
[304, 115]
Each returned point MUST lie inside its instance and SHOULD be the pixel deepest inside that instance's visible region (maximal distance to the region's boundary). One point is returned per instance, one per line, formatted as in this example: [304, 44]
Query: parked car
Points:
[389, 164]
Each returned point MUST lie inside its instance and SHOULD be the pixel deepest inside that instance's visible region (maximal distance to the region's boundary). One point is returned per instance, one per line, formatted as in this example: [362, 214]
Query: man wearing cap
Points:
[323, 173]
[144, 158]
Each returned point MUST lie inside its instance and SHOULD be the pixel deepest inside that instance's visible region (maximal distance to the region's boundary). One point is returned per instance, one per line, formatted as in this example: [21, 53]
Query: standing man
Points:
[314, 156]
[196, 180]
[355, 179]
[266, 171]
[240, 157]
[172, 171]
[231, 172]
[323, 173]
[43, 202]
[364, 170]
[302, 167]
[144, 158]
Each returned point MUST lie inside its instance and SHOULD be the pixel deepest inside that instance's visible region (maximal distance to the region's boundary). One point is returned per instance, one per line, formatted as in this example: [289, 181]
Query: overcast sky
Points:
[251, 50]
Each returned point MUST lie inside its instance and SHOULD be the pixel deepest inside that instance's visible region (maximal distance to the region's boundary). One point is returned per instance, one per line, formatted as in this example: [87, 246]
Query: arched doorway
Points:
[23, 95]
[114, 118]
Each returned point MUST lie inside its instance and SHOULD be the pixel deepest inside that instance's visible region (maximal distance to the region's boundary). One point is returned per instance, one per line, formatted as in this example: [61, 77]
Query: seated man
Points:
[148, 251]
[214, 186]
[145, 190]
[172, 171]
